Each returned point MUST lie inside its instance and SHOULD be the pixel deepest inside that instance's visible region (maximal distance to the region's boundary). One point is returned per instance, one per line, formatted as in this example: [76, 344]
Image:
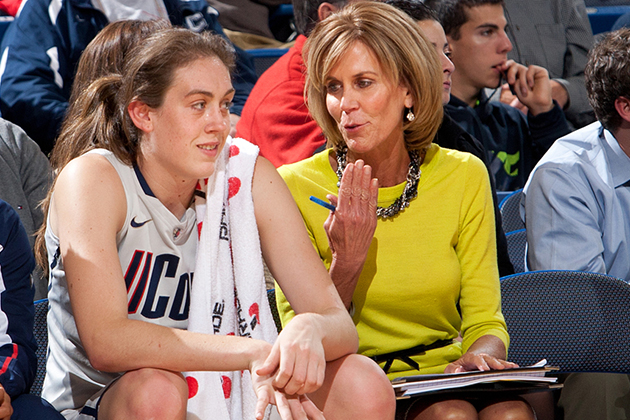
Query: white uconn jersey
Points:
[157, 255]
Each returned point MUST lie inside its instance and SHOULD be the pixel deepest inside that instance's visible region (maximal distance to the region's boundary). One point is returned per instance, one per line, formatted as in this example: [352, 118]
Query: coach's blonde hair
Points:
[404, 53]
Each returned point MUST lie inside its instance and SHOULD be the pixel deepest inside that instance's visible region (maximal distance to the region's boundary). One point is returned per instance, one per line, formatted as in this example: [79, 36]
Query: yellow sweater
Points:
[430, 272]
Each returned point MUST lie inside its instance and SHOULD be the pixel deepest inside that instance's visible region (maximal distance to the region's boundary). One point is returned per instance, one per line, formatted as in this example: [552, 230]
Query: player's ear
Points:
[140, 114]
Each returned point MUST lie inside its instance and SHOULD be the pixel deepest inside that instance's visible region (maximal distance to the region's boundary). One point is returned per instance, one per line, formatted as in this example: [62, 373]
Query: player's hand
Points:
[267, 374]
[289, 407]
[297, 407]
[297, 359]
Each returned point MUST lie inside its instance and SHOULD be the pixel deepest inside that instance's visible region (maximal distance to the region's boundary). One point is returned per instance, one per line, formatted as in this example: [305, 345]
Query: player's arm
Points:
[87, 210]
[321, 317]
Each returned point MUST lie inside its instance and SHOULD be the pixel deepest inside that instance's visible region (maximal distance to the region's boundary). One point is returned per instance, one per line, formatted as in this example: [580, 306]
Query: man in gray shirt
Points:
[25, 177]
[556, 35]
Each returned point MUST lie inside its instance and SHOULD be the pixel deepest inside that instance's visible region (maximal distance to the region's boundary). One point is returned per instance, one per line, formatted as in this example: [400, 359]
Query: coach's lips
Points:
[352, 127]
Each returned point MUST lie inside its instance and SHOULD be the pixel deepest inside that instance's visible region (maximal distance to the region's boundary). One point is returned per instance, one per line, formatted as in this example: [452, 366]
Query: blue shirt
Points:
[576, 205]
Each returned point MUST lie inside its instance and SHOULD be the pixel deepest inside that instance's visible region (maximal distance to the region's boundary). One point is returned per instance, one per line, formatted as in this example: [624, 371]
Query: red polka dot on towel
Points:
[234, 186]
[227, 386]
[234, 150]
[193, 386]
[254, 311]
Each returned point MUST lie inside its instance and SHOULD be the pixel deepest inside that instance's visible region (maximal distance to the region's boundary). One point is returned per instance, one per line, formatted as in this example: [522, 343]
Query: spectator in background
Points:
[25, 176]
[10, 7]
[246, 22]
[475, 30]
[557, 36]
[105, 55]
[275, 117]
[576, 207]
[41, 49]
[17, 343]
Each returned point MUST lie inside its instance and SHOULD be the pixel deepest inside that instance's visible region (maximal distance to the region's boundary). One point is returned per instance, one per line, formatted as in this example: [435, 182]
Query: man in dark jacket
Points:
[41, 49]
[475, 30]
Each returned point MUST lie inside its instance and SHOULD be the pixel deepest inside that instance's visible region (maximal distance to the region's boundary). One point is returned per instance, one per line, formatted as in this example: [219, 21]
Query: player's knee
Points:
[369, 388]
[157, 394]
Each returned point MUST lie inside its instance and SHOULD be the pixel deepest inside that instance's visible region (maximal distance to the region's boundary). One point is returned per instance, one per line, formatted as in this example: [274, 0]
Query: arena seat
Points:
[516, 243]
[265, 57]
[578, 321]
[510, 212]
[602, 18]
[41, 336]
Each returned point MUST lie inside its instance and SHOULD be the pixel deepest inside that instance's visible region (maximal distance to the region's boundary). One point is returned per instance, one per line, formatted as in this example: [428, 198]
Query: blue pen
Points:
[322, 203]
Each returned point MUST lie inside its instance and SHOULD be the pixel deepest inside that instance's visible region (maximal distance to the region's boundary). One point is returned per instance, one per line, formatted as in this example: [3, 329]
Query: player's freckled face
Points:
[190, 128]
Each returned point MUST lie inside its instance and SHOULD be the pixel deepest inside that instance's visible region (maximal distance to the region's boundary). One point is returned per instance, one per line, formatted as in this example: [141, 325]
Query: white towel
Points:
[228, 295]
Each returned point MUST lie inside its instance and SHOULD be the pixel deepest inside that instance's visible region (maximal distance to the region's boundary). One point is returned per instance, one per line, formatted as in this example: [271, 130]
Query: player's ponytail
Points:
[97, 123]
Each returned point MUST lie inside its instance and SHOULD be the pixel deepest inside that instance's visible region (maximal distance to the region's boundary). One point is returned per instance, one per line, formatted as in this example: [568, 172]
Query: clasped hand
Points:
[294, 367]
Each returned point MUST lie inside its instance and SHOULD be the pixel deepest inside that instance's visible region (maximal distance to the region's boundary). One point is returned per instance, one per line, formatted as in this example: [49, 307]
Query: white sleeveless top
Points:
[157, 254]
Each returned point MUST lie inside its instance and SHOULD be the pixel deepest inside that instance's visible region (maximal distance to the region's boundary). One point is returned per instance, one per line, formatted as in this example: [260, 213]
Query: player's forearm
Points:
[139, 344]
